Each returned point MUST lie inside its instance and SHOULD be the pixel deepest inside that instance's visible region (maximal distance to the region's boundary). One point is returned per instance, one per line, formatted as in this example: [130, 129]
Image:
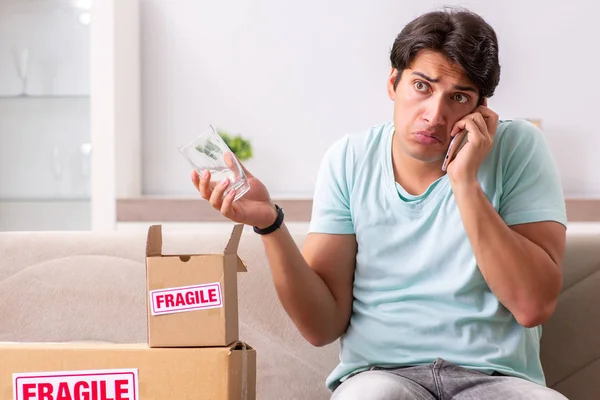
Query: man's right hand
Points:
[254, 208]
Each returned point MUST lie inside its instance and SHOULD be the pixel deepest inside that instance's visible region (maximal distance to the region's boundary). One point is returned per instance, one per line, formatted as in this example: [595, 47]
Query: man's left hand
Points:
[481, 127]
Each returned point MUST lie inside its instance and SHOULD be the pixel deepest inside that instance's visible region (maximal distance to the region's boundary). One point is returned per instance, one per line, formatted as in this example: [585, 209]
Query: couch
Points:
[73, 286]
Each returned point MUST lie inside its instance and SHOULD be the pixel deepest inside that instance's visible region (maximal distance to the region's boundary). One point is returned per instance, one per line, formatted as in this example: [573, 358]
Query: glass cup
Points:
[209, 152]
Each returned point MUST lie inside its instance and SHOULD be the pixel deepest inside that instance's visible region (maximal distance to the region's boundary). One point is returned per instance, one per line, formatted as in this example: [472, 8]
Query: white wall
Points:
[295, 76]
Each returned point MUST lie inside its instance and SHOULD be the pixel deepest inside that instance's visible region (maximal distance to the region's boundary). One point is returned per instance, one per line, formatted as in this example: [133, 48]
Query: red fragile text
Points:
[186, 298]
[78, 390]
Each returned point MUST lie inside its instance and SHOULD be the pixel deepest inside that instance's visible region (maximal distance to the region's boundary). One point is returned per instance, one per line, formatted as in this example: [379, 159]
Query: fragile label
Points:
[111, 384]
[186, 298]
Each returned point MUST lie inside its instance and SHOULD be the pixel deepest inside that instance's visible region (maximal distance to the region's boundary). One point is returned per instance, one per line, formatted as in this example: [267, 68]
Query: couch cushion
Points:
[65, 299]
[570, 346]
[582, 385]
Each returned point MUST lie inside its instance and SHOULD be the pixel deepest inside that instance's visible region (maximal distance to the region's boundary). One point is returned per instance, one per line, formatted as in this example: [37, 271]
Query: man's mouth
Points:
[427, 137]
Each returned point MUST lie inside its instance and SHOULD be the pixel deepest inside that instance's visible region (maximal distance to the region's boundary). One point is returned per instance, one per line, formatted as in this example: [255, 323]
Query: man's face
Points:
[432, 95]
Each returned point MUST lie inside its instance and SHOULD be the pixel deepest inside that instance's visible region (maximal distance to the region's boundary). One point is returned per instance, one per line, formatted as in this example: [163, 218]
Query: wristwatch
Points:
[276, 224]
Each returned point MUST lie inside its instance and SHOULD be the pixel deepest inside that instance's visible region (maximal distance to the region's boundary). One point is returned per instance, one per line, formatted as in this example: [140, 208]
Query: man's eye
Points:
[461, 98]
[421, 86]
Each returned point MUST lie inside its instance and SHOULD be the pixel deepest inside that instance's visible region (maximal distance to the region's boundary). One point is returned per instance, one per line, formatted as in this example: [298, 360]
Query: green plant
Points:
[241, 147]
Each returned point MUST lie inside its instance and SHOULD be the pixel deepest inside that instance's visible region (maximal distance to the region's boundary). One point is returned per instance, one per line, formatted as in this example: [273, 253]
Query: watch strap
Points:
[274, 226]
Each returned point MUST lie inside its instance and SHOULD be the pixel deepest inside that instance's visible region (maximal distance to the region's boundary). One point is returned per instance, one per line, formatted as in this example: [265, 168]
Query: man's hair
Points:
[460, 35]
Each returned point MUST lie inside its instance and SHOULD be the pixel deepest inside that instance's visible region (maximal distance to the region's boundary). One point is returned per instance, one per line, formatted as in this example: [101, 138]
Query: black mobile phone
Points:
[457, 143]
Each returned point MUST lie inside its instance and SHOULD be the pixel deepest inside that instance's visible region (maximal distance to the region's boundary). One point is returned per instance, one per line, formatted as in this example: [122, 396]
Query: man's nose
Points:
[435, 113]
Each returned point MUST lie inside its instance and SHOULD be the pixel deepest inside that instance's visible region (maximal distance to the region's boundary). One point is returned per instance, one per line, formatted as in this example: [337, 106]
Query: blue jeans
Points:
[439, 381]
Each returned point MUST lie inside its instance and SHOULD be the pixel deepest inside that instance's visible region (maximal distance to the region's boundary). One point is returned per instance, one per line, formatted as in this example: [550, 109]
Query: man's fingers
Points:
[195, 179]
[227, 206]
[458, 126]
[204, 185]
[474, 135]
[230, 162]
[470, 122]
[465, 123]
[479, 120]
[230, 159]
[216, 197]
[490, 118]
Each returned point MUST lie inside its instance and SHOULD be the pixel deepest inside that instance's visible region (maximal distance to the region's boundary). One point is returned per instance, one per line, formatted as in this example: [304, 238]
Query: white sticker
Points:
[113, 384]
[186, 298]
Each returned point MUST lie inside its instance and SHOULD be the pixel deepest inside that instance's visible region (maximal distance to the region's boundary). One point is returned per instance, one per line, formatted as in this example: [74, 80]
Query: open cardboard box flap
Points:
[154, 244]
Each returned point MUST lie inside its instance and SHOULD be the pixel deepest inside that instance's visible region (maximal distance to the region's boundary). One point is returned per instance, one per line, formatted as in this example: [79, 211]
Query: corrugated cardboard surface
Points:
[197, 328]
[163, 374]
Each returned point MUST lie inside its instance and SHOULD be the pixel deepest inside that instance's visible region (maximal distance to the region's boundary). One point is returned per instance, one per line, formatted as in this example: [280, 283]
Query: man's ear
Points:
[391, 83]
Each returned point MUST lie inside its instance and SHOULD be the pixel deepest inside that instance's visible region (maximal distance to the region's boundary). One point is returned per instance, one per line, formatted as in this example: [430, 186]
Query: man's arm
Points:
[315, 285]
[521, 264]
[518, 248]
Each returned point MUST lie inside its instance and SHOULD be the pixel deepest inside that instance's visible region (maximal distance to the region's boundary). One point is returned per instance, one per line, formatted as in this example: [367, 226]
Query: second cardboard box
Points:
[192, 298]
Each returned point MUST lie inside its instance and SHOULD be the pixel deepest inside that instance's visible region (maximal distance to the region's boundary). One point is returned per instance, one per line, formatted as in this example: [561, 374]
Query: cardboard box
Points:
[89, 371]
[192, 299]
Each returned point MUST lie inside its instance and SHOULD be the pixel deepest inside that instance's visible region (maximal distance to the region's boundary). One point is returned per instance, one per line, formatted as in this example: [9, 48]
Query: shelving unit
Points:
[83, 97]
[43, 97]
[45, 149]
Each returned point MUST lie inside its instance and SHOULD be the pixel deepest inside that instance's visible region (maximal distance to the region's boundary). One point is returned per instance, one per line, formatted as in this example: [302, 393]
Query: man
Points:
[436, 282]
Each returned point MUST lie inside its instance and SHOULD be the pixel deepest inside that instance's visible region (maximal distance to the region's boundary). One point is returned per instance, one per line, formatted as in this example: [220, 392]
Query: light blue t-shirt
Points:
[418, 292]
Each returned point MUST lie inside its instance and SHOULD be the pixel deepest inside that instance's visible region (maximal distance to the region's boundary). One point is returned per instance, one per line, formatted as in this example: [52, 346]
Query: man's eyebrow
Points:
[436, 80]
[465, 88]
[422, 75]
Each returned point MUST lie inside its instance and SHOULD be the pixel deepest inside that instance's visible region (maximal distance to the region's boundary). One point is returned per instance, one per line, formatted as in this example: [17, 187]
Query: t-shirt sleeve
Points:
[331, 212]
[531, 187]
